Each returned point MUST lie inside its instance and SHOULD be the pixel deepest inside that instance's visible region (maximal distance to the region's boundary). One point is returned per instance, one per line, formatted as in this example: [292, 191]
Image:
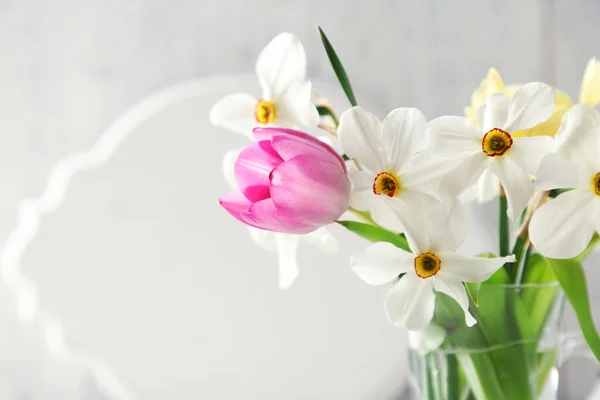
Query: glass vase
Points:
[511, 353]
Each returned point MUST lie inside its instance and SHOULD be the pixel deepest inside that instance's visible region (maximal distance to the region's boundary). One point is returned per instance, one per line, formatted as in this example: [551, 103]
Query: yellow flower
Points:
[590, 84]
[493, 83]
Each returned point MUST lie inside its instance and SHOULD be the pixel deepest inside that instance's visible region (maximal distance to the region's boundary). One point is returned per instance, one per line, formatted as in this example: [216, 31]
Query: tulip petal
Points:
[516, 183]
[451, 136]
[494, 113]
[455, 289]
[310, 189]
[272, 133]
[531, 104]
[235, 112]
[287, 245]
[281, 63]
[252, 169]
[469, 268]
[411, 302]
[290, 146]
[404, 135]
[323, 239]
[577, 138]
[563, 227]
[556, 172]
[295, 106]
[381, 263]
[360, 134]
[236, 204]
[265, 215]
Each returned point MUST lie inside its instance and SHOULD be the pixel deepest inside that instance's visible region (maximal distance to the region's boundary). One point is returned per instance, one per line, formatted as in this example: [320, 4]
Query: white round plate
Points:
[141, 268]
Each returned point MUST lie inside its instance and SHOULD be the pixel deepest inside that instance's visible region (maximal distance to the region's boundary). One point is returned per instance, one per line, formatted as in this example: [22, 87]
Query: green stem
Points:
[503, 232]
[453, 380]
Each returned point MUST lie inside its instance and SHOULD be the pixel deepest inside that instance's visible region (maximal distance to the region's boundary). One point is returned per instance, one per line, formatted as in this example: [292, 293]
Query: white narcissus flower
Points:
[286, 94]
[491, 149]
[285, 102]
[394, 182]
[590, 84]
[563, 227]
[433, 266]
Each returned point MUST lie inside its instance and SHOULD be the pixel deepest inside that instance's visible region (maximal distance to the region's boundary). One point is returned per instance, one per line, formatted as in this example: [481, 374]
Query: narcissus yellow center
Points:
[496, 142]
[386, 184]
[596, 183]
[265, 112]
[427, 265]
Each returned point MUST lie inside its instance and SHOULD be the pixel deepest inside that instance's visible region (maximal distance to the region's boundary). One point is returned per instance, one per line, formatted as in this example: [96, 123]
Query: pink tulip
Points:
[288, 182]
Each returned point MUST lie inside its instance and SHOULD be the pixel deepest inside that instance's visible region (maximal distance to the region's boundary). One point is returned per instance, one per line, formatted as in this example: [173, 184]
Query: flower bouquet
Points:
[482, 326]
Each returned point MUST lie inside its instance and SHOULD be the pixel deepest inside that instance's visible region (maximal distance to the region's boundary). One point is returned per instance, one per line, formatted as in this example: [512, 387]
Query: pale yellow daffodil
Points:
[590, 84]
[493, 83]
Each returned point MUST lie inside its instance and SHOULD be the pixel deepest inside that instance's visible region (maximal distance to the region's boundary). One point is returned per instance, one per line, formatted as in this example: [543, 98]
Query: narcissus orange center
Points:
[427, 265]
[265, 112]
[596, 183]
[386, 184]
[496, 142]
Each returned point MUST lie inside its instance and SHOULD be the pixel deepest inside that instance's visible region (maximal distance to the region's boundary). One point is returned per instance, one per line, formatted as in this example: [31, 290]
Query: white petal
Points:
[361, 196]
[235, 112]
[411, 302]
[531, 150]
[455, 289]
[451, 136]
[264, 239]
[295, 108]
[531, 104]
[426, 171]
[577, 137]
[468, 268]
[398, 216]
[360, 134]
[323, 239]
[494, 113]
[427, 339]
[447, 225]
[404, 135]
[488, 187]
[563, 227]
[556, 172]
[516, 183]
[465, 174]
[228, 164]
[281, 63]
[287, 245]
[381, 263]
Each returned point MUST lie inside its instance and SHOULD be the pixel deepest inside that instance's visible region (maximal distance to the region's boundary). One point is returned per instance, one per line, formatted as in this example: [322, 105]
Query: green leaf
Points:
[538, 300]
[571, 276]
[375, 233]
[338, 68]
[325, 111]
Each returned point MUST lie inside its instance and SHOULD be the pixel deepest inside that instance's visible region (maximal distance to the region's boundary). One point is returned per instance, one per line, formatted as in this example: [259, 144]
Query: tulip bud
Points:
[288, 182]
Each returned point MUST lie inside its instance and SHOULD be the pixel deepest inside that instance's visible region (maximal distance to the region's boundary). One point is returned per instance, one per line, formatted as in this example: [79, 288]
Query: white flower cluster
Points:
[413, 177]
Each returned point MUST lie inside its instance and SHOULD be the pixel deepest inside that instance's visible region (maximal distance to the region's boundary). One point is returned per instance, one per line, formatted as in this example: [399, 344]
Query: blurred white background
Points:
[139, 262]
